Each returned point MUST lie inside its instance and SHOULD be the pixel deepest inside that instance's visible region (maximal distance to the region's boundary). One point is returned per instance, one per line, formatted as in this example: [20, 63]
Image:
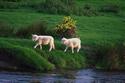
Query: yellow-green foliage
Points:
[67, 23]
[67, 27]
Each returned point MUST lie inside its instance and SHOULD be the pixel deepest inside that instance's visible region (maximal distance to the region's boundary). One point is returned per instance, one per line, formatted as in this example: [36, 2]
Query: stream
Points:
[81, 76]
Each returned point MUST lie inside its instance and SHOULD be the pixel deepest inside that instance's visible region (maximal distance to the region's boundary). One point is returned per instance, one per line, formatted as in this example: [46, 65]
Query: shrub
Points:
[39, 28]
[110, 8]
[66, 28]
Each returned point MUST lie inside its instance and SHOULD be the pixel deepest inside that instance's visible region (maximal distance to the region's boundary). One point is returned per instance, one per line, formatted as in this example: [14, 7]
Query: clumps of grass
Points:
[5, 29]
[25, 57]
[107, 56]
[56, 6]
[110, 8]
[67, 60]
[39, 27]
[88, 10]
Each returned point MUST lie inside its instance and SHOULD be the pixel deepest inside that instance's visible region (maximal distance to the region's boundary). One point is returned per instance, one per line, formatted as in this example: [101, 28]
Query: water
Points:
[81, 76]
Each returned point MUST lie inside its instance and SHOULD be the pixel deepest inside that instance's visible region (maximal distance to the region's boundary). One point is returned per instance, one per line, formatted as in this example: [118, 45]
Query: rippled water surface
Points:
[81, 76]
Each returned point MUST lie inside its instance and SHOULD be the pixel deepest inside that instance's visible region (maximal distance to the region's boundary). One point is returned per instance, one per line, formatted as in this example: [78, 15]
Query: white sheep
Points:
[43, 40]
[72, 43]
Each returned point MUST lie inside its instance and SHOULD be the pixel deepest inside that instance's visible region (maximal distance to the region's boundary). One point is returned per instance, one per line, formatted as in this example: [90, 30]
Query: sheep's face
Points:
[34, 37]
[64, 40]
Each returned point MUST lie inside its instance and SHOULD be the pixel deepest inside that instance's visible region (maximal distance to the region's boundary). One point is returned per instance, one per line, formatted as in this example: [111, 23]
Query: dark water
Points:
[81, 76]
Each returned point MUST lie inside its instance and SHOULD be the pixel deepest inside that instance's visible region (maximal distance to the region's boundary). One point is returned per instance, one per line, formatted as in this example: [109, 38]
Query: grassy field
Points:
[103, 40]
[98, 28]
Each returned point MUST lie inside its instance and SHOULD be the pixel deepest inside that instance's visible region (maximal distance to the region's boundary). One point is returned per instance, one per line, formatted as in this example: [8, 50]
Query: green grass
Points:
[16, 19]
[98, 28]
[101, 28]
[25, 54]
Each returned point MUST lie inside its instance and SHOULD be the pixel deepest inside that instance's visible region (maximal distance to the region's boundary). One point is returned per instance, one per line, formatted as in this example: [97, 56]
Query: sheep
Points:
[72, 43]
[43, 40]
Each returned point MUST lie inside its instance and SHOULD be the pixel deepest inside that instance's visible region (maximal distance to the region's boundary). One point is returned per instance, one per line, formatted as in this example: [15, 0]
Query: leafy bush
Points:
[66, 28]
[39, 28]
[114, 8]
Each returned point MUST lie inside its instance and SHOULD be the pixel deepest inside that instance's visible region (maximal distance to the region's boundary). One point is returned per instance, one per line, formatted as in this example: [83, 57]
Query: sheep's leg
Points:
[36, 45]
[79, 47]
[40, 46]
[78, 50]
[65, 49]
[50, 48]
[72, 50]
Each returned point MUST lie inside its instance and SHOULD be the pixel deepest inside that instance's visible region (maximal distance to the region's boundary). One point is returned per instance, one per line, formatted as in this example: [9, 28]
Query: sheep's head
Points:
[34, 37]
[64, 40]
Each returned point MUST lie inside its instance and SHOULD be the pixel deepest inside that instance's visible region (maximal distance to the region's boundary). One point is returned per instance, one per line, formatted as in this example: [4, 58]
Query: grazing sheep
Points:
[43, 40]
[72, 43]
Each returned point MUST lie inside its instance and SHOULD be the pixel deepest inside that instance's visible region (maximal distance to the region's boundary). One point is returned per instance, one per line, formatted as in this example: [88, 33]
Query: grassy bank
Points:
[101, 55]
[20, 53]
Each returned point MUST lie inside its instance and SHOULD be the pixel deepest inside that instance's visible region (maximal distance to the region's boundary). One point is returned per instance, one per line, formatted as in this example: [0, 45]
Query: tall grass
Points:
[104, 55]
[67, 60]
[39, 28]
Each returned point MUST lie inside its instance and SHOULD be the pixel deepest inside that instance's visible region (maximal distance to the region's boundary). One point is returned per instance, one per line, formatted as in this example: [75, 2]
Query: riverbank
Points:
[19, 54]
